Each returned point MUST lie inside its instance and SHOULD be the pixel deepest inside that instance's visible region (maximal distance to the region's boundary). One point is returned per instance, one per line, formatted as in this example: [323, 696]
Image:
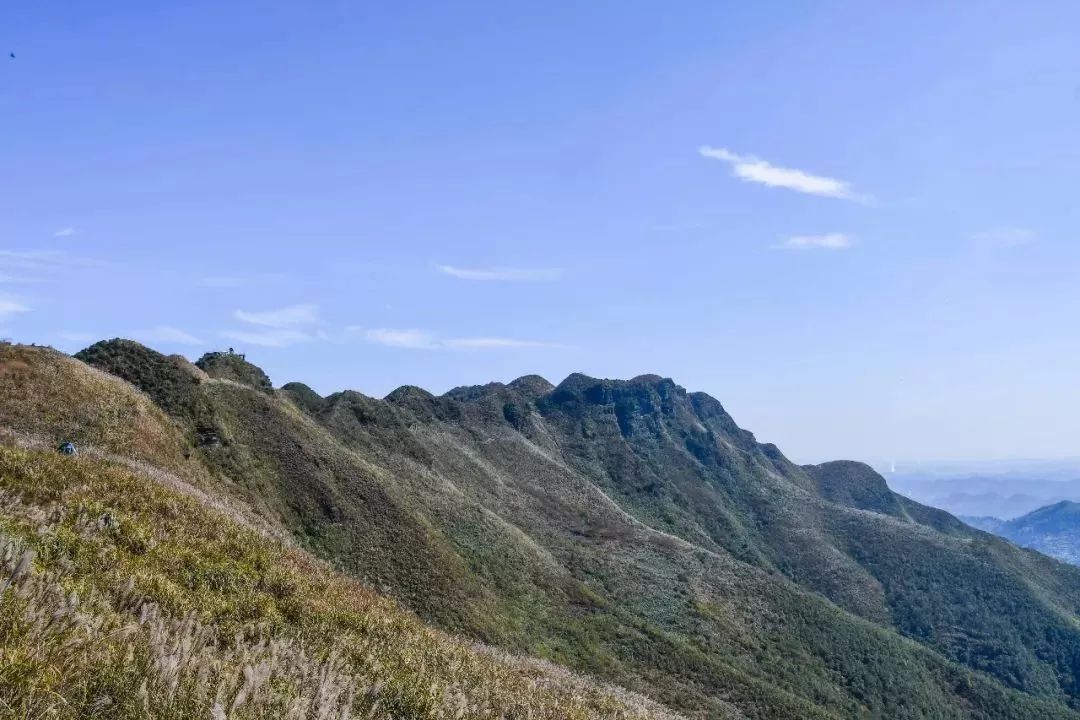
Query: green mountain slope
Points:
[631, 530]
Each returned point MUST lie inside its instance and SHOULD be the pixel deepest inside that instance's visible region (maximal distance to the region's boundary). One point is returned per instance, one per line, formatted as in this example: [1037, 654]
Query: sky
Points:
[854, 224]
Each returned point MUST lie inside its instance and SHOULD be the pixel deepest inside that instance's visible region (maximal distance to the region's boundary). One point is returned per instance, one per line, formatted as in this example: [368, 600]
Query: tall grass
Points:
[120, 598]
[48, 394]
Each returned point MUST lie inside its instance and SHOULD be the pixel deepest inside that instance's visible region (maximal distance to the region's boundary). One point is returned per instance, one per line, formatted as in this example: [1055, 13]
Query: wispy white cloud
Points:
[270, 337]
[41, 263]
[502, 273]
[10, 307]
[64, 232]
[413, 339]
[10, 279]
[751, 169]
[300, 324]
[493, 343]
[402, 338]
[829, 241]
[30, 259]
[286, 317]
[167, 334]
[282, 327]
[1004, 237]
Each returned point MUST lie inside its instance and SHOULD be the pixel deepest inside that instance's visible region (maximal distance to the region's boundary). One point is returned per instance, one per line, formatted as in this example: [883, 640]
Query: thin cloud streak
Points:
[493, 343]
[755, 170]
[412, 339]
[271, 338]
[10, 307]
[278, 328]
[502, 273]
[17, 280]
[1004, 237]
[286, 317]
[830, 241]
[64, 232]
[167, 334]
[402, 338]
[43, 262]
[30, 259]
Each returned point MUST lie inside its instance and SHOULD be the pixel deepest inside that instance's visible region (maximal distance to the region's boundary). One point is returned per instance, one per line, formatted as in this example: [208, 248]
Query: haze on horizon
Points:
[855, 227]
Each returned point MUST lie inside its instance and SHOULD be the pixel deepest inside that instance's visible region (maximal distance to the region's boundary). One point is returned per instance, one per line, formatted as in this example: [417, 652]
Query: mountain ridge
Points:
[632, 530]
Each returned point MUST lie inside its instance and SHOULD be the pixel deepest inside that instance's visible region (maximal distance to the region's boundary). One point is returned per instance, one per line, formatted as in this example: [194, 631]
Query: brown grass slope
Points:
[633, 530]
[122, 598]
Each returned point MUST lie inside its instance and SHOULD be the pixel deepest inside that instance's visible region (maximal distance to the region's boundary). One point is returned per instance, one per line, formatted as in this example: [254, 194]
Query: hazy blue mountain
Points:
[988, 523]
[1052, 530]
[1000, 489]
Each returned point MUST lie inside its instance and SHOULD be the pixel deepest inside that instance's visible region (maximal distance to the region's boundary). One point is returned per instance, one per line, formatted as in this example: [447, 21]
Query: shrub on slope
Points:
[169, 380]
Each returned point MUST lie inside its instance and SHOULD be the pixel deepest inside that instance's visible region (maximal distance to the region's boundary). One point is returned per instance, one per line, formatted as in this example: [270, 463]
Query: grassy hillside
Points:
[628, 529]
[121, 598]
[50, 395]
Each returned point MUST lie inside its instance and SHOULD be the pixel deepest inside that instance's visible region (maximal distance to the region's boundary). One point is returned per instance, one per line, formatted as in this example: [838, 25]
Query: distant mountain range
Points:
[1001, 490]
[1053, 530]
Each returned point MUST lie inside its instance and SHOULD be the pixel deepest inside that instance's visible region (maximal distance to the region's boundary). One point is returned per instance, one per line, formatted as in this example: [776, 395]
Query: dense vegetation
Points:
[628, 529]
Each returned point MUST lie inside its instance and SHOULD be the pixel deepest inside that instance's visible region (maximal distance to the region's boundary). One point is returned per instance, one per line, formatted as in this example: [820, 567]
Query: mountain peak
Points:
[471, 393]
[304, 396]
[854, 484]
[1060, 509]
[650, 379]
[227, 365]
[531, 386]
[410, 395]
[1052, 529]
[167, 379]
[599, 388]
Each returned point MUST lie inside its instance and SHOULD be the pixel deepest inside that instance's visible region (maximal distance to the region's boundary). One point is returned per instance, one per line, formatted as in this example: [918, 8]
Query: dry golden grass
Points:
[47, 394]
[122, 598]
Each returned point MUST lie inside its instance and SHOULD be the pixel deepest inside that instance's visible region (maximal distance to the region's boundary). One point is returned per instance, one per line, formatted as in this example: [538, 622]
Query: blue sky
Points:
[855, 225]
